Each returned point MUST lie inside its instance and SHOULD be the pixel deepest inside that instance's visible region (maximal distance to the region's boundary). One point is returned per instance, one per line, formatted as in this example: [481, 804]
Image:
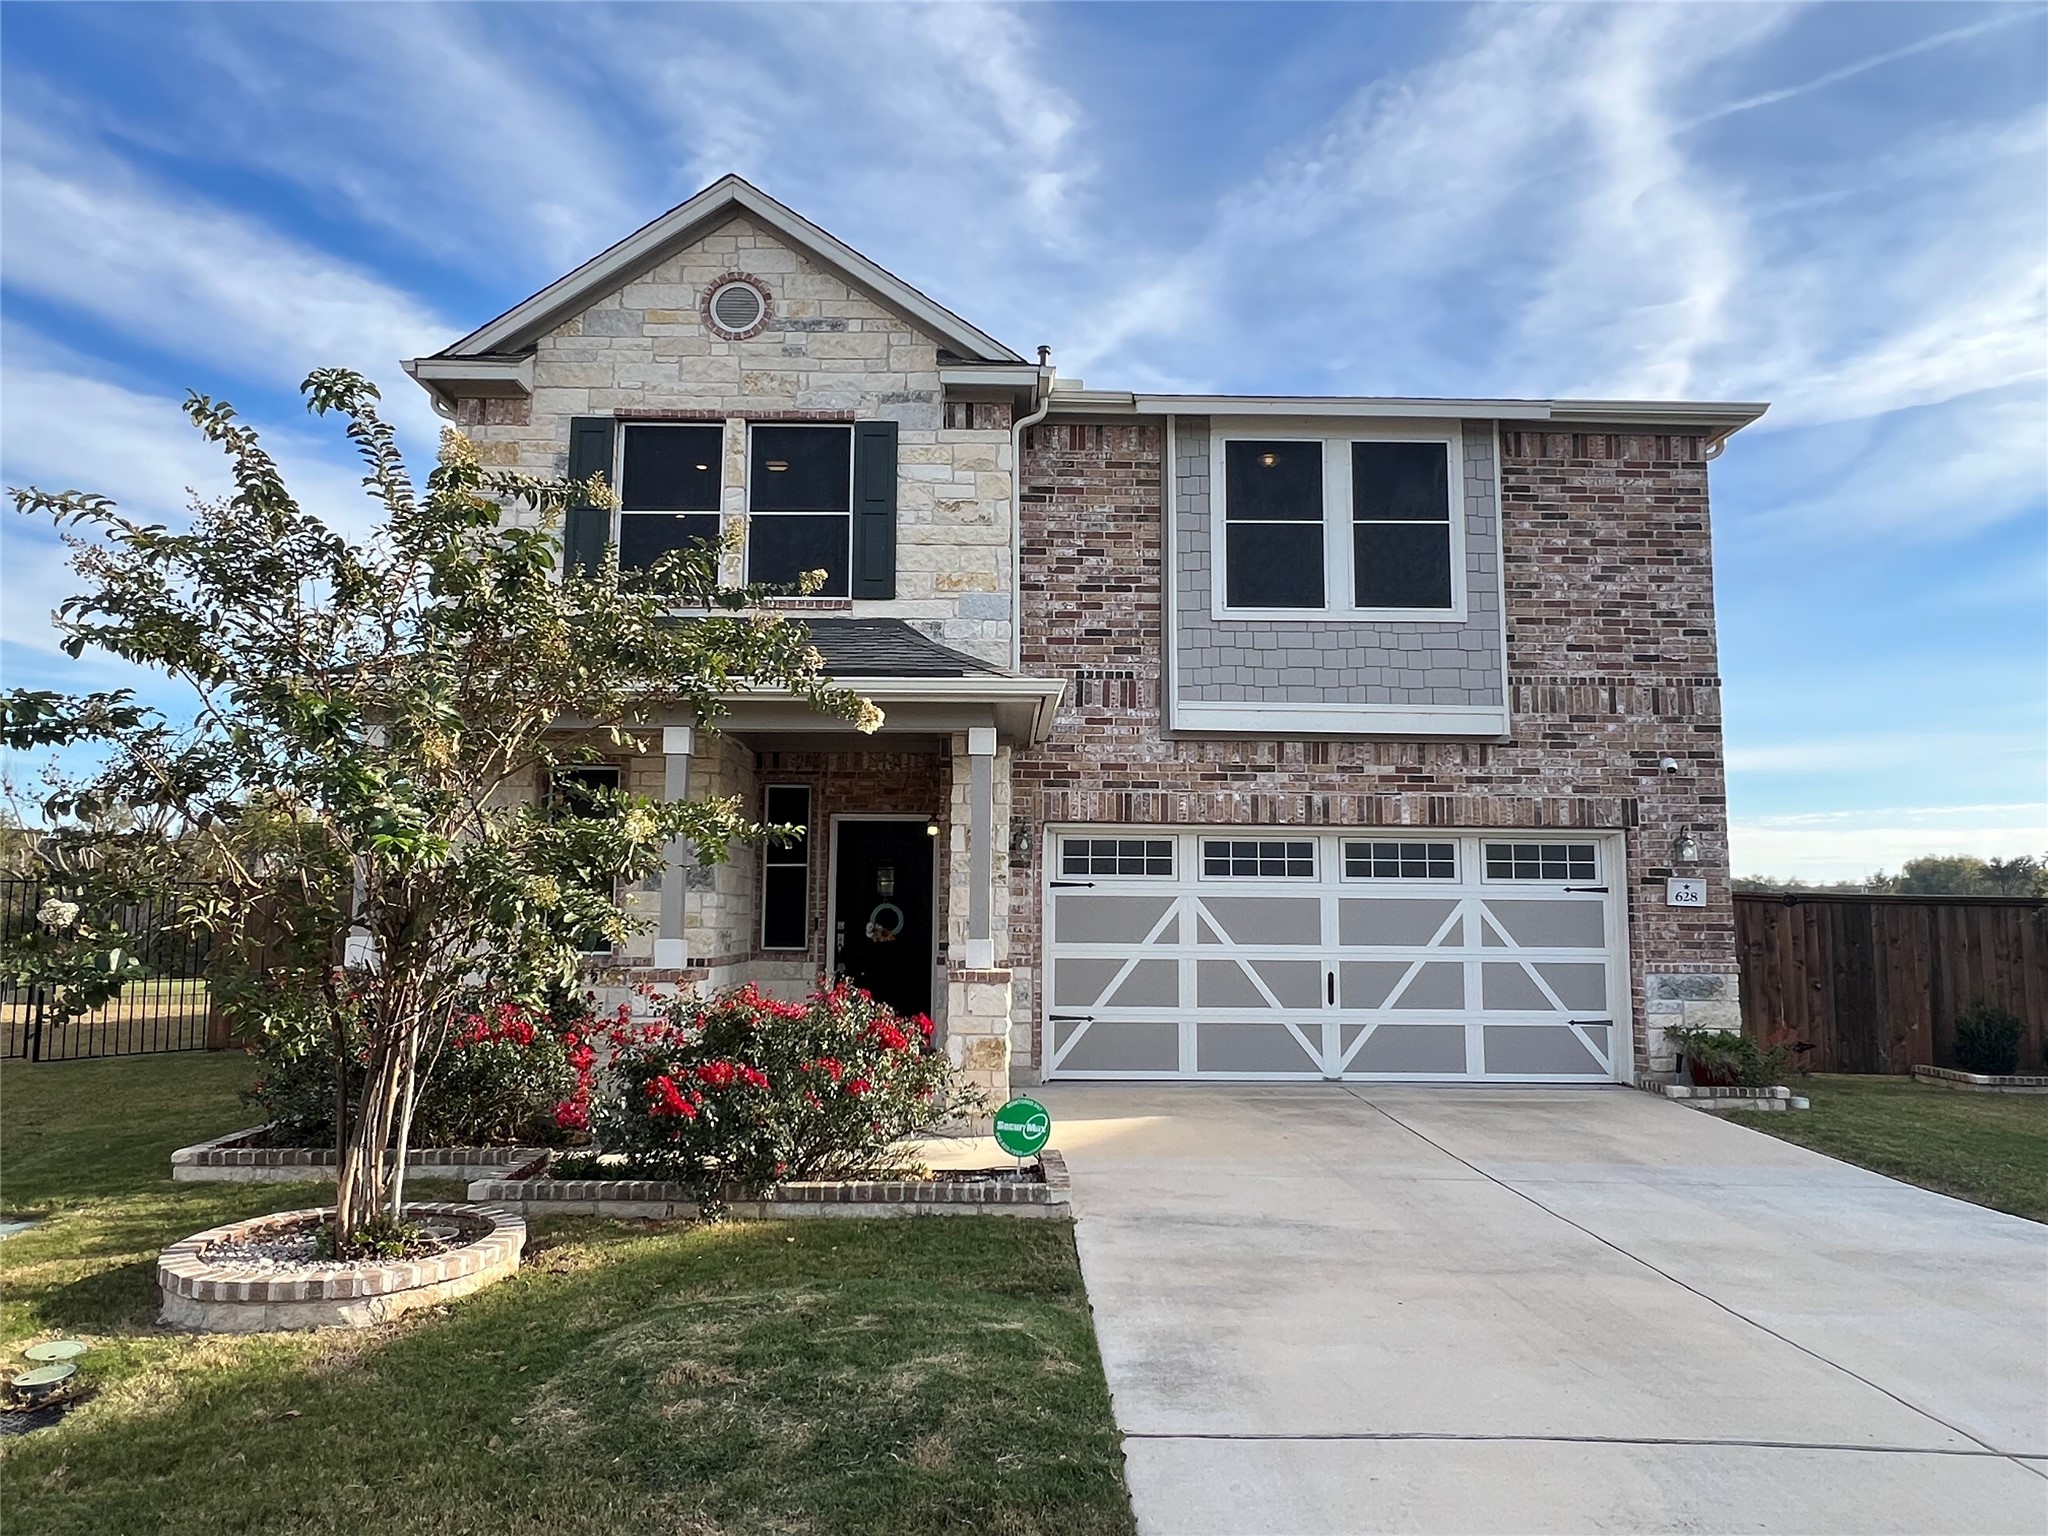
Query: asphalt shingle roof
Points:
[888, 648]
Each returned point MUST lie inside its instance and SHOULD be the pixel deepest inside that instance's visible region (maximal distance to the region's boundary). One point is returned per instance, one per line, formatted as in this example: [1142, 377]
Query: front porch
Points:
[901, 882]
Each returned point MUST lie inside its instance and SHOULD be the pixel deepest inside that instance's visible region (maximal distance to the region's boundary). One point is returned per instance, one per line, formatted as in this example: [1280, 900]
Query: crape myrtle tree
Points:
[369, 717]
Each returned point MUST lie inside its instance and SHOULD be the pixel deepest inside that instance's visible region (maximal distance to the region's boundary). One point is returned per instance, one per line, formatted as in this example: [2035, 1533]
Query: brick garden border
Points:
[1983, 1082]
[1765, 1100]
[231, 1159]
[229, 1298]
[532, 1193]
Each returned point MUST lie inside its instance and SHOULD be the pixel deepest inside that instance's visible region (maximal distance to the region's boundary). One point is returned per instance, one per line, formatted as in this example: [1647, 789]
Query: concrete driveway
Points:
[1333, 1309]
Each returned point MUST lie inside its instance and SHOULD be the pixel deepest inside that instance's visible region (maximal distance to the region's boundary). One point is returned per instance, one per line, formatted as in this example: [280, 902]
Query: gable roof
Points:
[726, 198]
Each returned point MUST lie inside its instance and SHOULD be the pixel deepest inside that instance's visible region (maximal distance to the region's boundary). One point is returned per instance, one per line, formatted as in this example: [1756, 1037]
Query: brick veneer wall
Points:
[1611, 666]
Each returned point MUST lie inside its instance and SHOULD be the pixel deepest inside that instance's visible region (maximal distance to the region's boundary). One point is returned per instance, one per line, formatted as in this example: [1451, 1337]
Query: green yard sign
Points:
[1023, 1127]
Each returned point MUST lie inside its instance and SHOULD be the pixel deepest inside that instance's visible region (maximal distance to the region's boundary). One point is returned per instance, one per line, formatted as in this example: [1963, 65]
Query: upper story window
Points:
[668, 489]
[1288, 549]
[800, 505]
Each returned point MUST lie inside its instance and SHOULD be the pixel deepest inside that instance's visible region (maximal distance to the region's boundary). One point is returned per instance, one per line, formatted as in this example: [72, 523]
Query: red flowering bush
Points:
[747, 1088]
[508, 1074]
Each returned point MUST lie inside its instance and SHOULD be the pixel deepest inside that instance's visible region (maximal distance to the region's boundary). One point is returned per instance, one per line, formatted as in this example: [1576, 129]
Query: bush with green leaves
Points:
[1722, 1058]
[748, 1089]
[509, 1076]
[1988, 1039]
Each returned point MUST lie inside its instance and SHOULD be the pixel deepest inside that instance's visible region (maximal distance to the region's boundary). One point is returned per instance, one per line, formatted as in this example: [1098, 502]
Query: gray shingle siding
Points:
[1313, 661]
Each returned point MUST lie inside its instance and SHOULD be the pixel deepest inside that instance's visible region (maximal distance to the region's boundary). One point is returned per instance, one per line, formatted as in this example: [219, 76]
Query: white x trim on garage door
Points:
[1368, 954]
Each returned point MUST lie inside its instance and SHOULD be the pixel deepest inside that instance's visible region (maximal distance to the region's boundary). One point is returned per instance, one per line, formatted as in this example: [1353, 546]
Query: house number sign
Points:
[1685, 893]
[1022, 1127]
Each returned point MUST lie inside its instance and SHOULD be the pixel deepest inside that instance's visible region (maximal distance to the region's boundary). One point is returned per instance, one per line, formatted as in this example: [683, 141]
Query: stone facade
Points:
[828, 352]
[1611, 667]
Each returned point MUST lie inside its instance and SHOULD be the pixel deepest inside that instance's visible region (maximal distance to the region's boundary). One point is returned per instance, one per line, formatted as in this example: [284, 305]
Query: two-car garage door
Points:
[1218, 953]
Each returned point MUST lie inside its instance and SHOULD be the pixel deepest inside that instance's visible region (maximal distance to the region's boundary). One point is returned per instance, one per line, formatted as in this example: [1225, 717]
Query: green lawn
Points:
[1988, 1148]
[888, 1376]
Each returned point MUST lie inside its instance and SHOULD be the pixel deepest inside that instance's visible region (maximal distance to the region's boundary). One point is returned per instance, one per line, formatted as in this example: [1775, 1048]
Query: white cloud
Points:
[1849, 845]
[193, 279]
[65, 426]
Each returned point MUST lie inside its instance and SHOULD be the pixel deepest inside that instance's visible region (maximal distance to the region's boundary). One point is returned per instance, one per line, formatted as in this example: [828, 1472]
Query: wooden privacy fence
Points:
[1873, 983]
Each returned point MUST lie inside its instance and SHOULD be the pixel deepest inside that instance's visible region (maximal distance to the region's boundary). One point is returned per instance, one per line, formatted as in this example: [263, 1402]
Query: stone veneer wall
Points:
[1611, 666]
[828, 352]
[1306, 661]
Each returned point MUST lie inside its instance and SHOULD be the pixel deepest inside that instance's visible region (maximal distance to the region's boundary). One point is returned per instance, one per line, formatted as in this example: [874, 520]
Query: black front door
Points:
[883, 895]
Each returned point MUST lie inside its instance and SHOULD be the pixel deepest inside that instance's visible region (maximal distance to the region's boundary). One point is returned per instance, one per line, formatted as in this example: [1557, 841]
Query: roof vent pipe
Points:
[1042, 393]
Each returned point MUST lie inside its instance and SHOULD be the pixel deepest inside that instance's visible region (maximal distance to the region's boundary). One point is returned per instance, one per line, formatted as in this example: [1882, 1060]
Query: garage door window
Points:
[1541, 861]
[1231, 858]
[1400, 861]
[1116, 856]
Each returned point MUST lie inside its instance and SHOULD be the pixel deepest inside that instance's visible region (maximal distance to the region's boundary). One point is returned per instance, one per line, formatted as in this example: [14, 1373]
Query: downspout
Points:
[1041, 392]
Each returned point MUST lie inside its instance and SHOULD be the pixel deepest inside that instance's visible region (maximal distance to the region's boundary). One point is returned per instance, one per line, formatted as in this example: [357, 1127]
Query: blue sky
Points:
[1842, 209]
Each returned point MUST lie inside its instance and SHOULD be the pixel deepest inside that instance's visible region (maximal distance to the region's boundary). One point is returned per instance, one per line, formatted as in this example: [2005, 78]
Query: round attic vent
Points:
[737, 308]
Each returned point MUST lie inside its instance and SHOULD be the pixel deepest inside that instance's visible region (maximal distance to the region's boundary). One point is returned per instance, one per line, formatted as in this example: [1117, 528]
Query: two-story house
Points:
[1227, 736]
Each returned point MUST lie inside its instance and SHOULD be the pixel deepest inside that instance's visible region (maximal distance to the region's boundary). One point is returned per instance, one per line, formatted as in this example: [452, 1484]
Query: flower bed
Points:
[243, 1157]
[973, 1192]
[237, 1293]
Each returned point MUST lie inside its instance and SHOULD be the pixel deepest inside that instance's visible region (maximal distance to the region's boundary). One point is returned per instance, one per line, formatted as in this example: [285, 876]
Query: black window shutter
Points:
[874, 509]
[588, 528]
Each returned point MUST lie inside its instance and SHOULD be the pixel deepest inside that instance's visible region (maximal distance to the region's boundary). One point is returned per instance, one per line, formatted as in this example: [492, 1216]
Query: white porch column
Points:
[670, 945]
[981, 756]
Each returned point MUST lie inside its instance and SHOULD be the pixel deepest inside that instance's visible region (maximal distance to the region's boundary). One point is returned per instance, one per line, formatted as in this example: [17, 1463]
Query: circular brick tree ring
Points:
[224, 1297]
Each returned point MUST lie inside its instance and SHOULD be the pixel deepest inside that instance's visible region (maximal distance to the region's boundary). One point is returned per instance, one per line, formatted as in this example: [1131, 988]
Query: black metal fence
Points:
[166, 1010]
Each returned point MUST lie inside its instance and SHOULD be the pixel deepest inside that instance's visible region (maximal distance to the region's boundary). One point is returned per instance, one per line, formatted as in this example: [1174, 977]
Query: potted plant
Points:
[1722, 1058]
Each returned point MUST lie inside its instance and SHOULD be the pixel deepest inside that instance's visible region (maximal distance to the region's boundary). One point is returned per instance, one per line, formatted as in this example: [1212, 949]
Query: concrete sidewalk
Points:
[1338, 1308]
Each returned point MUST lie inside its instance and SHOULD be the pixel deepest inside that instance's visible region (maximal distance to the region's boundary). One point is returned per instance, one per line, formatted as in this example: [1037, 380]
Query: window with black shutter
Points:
[800, 505]
[669, 489]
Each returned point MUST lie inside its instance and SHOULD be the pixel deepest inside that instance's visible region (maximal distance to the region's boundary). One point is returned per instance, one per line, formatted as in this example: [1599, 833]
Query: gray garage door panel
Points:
[1336, 971]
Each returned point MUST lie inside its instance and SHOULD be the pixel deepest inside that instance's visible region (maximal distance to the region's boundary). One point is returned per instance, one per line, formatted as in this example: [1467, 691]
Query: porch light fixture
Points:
[1687, 849]
[1268, 460]
[931, 828]
[1020, 840]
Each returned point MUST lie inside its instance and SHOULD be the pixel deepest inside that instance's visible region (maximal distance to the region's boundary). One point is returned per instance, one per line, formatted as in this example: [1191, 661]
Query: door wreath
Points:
[884, 923]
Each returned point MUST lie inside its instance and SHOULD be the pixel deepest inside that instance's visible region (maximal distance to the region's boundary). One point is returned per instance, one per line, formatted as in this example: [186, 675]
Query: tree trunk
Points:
[360, 1179]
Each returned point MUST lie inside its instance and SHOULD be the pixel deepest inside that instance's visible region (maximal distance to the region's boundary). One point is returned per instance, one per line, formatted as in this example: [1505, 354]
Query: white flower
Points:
[868, 718]
[638, 824]
[811, 581]
[57, 915]
[456, 448]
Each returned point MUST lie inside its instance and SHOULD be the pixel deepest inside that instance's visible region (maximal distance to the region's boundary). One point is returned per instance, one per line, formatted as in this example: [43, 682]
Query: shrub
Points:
[1988, 1039]
[1720, 1057]
[507, 1074]
[746, 1088]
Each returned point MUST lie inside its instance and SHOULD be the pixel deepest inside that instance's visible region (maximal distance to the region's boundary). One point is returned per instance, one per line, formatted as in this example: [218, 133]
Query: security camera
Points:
[1669, 764]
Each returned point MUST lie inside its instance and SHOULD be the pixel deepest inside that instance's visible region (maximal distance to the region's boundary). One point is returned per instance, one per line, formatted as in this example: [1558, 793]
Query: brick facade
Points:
[1611, 667]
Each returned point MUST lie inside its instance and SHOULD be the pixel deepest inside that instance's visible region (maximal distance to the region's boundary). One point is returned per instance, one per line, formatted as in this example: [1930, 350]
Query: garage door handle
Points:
[1331, 978]
[1585, 890]
[1071, 1018]
[1589, 1021]
[1068, 885]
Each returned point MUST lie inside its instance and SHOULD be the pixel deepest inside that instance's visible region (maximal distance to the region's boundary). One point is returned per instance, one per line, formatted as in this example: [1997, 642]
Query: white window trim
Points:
[1317, 863]
[1172, 850]
[1338, 587]
[618, 478]
[747, 481]
[1597, 844]
[1344, 862]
